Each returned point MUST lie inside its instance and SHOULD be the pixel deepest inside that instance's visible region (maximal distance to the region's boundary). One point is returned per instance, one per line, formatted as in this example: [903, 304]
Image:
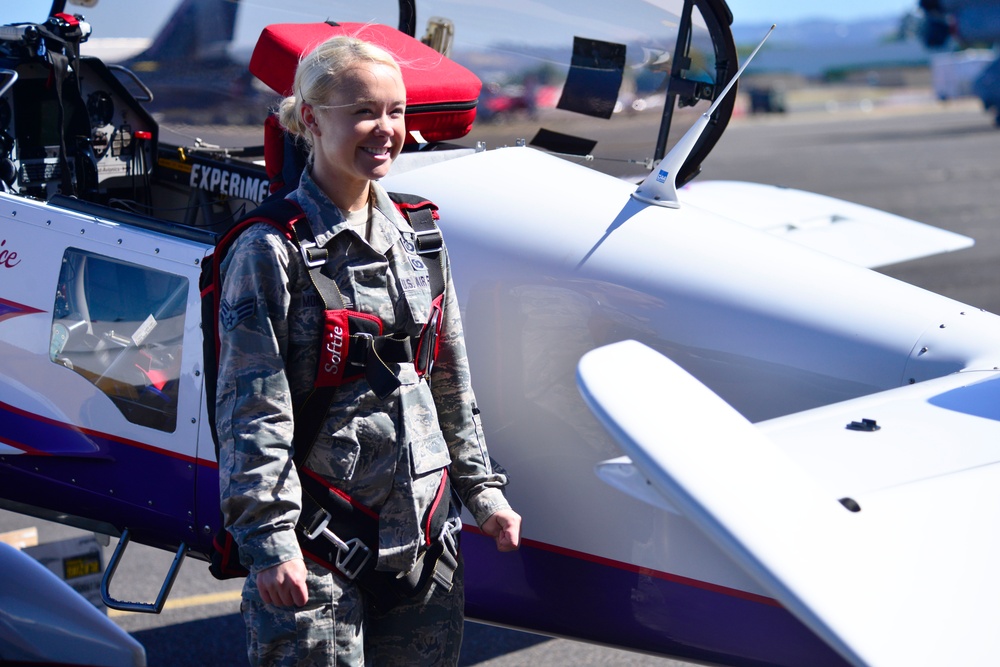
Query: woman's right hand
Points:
[284, 585]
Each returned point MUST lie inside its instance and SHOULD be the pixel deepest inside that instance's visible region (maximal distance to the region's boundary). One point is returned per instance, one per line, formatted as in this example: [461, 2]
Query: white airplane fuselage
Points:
[550, 260]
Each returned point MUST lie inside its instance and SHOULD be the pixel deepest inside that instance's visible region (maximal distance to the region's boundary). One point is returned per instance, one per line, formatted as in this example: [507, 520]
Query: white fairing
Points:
[43, 620]
[772, 327]
[569, 262]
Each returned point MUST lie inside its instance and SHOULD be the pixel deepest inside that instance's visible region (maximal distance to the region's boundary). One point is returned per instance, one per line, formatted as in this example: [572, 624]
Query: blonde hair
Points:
[320, 73]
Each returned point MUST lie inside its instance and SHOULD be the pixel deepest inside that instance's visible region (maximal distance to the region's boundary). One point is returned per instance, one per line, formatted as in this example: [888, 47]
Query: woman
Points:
[390, 455]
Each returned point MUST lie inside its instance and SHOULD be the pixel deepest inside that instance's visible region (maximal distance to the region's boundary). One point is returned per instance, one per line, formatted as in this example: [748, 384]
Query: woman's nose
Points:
[383, 124]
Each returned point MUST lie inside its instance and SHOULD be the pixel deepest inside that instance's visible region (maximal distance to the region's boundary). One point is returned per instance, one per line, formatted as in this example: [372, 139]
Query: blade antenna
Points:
[660, 186]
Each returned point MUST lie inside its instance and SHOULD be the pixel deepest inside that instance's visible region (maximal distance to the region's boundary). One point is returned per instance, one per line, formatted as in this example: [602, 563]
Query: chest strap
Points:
[353, 343]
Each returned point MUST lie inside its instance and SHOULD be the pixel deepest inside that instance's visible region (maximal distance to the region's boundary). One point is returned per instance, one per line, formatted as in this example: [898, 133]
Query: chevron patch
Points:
[230, 315]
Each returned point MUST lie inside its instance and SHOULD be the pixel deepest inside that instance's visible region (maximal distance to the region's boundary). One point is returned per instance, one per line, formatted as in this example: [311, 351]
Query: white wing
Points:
[855, 233]
[910, 579]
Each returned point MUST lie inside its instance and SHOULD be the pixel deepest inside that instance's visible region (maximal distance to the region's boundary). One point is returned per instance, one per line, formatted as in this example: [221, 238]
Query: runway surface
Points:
[936, 164]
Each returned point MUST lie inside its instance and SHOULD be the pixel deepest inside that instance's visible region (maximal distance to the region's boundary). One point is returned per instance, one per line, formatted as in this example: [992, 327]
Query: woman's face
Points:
[359, 132]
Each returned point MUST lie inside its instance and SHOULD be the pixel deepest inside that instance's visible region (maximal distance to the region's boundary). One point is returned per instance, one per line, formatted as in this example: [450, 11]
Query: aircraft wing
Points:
[855, 233]
[910, 578]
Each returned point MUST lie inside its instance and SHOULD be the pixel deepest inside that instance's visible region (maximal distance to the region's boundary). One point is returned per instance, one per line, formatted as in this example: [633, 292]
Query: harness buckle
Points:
[312, 254]
[362, 344]
[452, 527]
[351, 561]
[428, 241]
[352, 555]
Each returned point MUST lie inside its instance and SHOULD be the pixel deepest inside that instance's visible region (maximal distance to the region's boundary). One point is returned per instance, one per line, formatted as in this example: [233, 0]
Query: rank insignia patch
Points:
[232, 314]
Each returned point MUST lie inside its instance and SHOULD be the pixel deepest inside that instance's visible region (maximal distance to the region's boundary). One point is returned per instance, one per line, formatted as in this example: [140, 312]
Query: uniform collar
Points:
[326, 220]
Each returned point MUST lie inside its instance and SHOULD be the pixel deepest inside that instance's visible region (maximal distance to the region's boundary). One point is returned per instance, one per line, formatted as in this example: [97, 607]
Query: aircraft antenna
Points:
[660, 186]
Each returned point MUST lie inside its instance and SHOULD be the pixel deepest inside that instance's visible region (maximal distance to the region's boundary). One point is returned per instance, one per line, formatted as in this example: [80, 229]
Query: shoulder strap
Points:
[279, 213]
[422, 213]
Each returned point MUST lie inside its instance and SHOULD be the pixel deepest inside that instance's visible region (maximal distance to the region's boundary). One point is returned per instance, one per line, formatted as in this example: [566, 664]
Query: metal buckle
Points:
[434, 241]
[321, 529]
[346, 551]
[305, 247]
[451, 528]
[354, 546]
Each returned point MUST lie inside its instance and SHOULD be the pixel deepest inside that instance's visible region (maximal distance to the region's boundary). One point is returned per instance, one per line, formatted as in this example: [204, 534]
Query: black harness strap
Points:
[333, 530]
[342, 535]
[421, 214]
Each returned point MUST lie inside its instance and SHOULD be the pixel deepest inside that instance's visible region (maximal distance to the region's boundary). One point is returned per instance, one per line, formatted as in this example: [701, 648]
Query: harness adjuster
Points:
[352, 555]
[362, 344]
[428, 241]
[312, 254]
[353, 560]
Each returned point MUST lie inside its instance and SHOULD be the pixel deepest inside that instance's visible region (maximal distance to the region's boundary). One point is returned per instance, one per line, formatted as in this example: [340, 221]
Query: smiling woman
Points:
[401, 438]
[351, 118]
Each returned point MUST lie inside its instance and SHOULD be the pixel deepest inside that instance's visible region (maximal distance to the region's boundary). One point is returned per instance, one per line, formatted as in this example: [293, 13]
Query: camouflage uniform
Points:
[270, 326]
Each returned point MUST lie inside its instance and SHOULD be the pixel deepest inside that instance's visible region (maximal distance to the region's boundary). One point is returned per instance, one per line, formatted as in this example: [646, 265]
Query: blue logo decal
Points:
[662, 177]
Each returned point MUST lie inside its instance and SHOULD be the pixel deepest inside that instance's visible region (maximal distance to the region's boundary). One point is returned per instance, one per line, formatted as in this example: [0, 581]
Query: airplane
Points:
[733, 442]
[967, 23]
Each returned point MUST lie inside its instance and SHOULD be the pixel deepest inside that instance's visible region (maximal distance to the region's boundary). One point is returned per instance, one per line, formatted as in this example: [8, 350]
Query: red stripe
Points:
[638, 569]
[102, 435]
[434, 505]
[355, 504]
[23, 447]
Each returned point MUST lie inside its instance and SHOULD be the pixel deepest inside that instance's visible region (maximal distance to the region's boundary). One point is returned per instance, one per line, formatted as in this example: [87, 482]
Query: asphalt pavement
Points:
[935, 163]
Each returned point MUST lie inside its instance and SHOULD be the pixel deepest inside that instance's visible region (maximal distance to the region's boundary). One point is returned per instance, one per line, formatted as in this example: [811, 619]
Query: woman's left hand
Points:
[505, 527]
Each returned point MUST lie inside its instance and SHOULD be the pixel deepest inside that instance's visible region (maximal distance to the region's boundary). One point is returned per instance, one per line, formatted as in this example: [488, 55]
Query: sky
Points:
[748, 12]
[745, 12]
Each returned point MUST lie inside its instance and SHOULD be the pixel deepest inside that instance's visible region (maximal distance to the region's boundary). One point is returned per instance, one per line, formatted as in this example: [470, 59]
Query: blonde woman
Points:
[396, 456]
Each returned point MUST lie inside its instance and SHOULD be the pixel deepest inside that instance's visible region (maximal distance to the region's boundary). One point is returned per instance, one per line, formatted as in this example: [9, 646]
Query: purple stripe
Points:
[99, 477]
[556, 593]
[539, 588]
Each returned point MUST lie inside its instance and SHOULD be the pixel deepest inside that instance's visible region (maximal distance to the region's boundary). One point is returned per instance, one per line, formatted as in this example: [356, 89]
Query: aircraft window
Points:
[121, 326]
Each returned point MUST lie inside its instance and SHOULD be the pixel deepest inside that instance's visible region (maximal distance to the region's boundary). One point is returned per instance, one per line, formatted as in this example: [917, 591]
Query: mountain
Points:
[813, 48]
[821, 32]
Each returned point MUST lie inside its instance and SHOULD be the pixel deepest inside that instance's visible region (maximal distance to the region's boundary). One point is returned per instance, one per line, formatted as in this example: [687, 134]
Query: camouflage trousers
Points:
[337, 627]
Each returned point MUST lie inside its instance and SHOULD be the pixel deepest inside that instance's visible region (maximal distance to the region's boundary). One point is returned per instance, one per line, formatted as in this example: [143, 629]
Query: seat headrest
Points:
[441, 95]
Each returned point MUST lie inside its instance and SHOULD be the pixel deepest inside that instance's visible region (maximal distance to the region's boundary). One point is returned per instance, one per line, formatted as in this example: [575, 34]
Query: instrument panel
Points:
[106, 143]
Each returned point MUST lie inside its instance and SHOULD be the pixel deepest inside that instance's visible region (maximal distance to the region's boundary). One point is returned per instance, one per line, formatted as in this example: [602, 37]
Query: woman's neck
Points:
[346, 196]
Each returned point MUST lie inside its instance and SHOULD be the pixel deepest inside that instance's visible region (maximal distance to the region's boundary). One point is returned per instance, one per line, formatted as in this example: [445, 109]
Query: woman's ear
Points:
[308, 115]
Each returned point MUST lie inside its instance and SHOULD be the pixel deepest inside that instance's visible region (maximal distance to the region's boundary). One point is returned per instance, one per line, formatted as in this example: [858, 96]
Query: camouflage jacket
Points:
[389, 455]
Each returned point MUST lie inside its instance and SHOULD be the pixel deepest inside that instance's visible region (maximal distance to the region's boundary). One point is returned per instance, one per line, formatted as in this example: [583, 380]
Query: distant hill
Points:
[820, 32]
[812, 48]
